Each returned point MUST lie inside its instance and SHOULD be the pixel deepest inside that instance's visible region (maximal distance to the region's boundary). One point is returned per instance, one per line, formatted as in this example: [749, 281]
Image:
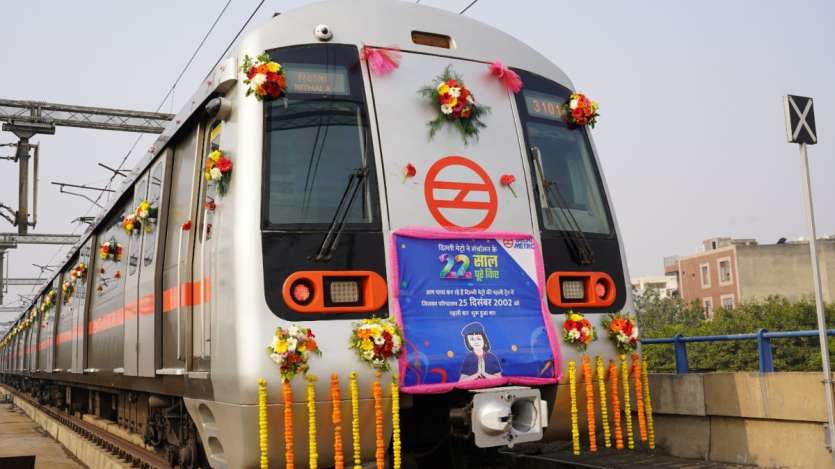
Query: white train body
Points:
[200, 308]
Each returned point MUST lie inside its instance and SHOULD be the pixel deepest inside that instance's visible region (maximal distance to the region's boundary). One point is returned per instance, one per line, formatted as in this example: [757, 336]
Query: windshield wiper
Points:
[579, 246]
[331, 240]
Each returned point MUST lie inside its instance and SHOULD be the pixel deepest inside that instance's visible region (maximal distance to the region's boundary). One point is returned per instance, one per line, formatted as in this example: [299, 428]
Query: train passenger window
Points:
[316, 138]
[111, 250]
[140, 190]
[565, 173]
[154, 196]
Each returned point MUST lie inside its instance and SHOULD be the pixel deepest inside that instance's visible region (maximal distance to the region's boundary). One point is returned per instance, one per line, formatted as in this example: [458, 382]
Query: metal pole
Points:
[23, 186]
[824, 342]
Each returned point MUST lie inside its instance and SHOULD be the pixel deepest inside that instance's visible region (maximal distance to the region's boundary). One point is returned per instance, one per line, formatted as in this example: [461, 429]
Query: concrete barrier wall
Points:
[763, 419]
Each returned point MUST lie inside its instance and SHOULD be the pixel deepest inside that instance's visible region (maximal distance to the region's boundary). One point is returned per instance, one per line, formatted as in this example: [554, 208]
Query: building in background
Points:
[665, 285]
[732, 271]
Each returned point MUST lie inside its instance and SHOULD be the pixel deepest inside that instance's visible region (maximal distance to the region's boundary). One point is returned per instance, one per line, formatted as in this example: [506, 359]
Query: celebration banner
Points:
[471, 309]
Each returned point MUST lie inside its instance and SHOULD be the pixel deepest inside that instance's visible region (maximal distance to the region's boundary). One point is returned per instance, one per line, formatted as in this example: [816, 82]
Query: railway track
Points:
[130, 453]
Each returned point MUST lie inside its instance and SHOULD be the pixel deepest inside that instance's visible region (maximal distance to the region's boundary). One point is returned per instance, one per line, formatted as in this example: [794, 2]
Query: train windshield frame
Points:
[570, 180]
[315, 137]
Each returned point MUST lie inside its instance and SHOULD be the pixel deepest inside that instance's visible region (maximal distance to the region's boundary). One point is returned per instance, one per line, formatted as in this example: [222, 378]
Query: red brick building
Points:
[731, 271]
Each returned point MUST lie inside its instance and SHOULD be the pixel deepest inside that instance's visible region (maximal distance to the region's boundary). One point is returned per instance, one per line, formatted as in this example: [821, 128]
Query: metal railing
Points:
[762, 336]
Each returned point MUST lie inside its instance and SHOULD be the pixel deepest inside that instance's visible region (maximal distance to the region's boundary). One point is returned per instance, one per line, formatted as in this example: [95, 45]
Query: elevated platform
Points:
[559, 455]
[21, 437]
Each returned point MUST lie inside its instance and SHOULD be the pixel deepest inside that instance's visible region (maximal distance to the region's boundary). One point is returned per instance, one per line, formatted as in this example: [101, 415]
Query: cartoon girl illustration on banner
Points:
[479, 363]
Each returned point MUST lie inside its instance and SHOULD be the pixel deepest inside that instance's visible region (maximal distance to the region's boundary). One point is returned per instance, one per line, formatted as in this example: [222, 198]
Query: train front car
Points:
[477, 239]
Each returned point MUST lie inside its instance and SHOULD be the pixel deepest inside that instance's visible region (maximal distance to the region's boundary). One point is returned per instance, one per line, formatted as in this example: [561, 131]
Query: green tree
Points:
[664, 317]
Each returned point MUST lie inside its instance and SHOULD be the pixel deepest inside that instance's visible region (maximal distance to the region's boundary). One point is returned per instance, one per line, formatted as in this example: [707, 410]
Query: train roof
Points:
[383, 23]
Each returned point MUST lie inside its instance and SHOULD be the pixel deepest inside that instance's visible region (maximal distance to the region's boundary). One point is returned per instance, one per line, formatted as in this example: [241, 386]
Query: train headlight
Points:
[506, 416]
[573, 289]
[343, 291]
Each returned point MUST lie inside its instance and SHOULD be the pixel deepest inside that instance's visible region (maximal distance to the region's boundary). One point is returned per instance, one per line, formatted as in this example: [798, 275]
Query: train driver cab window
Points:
[317, 144]
[564, 172]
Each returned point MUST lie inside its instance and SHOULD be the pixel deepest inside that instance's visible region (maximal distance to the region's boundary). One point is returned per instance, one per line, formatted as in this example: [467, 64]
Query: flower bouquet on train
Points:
[578, 331]
[78, 272]
[67, 291]
[48, 301]
[290, 350]
[111, 251]
[218, 171]
[377, 340]
[264, 78]
[455, 105]
[623, 331]
[580, 110]
[144, 215]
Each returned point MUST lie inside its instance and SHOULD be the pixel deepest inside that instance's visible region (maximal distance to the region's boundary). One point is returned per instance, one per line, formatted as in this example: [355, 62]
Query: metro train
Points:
[165, 326]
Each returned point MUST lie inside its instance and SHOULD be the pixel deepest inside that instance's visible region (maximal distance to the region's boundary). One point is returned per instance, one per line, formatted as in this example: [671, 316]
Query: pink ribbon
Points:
[381, 61]
[508, 77]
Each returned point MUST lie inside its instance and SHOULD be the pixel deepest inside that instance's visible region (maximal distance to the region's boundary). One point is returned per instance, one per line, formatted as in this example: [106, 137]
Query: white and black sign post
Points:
[800, 129]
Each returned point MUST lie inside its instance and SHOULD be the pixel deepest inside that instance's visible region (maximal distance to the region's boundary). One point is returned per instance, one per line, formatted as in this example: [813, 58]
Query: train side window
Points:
[140, 191]
[111, 250]
[154, 197]
[316, 139]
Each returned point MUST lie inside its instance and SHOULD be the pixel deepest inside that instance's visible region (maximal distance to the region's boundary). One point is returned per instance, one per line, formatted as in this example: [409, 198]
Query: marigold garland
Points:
[639, 396]
[604, 414]
[313, 451]
[613, 386]
[572, 386]
[355, 419]
[289, 454]
[263, 432]
[455, 104]
[395, 423]
[336, 419]
[627, 406]
[588, 380]
[380, 443]
[648, 405]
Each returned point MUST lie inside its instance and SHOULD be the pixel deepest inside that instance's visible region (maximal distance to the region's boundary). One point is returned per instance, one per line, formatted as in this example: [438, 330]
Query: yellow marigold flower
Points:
[443, 88]
[273, 67]
[576, 317]
[282, 346]
[367, 345]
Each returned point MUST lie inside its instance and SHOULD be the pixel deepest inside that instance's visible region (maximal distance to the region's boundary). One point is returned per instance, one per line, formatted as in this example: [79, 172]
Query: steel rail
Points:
[131, 453]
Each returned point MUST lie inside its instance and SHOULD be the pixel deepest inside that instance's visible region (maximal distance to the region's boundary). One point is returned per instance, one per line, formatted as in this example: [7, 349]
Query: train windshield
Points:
[316, 139]
[565, 176]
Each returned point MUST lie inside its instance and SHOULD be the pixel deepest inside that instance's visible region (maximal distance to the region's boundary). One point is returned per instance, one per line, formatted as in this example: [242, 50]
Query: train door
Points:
[49, 318]
[131, 350]
[204, 248]
[179, 248]
[149, 319]
[78, 302]
[34, 364]
[458, 184]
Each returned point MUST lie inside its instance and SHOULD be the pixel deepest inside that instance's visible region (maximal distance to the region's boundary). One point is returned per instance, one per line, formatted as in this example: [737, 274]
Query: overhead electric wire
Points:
[246, 23]
[94, 204]
[467, 7]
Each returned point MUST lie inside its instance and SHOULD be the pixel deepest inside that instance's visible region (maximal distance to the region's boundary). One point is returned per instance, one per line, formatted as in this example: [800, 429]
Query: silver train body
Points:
[185, 316]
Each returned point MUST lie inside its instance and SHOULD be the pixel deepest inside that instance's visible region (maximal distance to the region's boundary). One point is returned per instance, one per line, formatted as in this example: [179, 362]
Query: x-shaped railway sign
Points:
[800, 120]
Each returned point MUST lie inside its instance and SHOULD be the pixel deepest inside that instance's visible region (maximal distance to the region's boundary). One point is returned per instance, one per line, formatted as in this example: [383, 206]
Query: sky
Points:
[691, 136]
